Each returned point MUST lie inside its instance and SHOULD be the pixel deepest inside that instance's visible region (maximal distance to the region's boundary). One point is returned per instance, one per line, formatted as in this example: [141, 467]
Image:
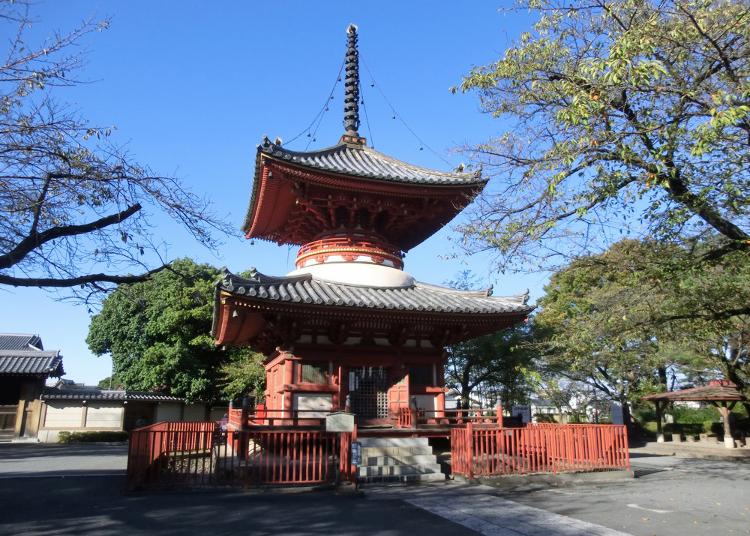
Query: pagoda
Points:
[349, 328]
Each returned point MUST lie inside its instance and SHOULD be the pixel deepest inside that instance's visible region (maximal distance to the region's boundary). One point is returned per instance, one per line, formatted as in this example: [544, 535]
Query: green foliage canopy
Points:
[617, 320]
[159, 335]
[499, 367]
[627, 116]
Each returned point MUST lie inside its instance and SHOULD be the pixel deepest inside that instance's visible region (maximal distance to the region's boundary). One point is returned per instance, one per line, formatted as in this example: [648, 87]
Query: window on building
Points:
[314, 373]
[420, 375]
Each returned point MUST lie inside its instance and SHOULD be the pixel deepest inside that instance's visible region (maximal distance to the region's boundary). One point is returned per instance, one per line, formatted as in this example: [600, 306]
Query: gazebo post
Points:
[659, 430]
[725, 409]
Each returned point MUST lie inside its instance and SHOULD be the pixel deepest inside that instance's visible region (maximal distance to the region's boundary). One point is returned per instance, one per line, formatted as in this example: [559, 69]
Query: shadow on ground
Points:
[97, 505]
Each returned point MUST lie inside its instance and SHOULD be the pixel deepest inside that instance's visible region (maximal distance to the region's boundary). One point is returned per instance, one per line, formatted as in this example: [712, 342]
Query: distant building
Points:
[24, 367]
[73, 407]
[544, 410]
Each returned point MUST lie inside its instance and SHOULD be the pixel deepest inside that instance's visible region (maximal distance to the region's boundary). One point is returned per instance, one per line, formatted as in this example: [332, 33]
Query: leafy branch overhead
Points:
[626, 117]
[76, 210]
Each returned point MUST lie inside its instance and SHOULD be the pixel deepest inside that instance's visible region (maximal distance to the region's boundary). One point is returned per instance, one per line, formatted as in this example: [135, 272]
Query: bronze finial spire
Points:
[351, 89]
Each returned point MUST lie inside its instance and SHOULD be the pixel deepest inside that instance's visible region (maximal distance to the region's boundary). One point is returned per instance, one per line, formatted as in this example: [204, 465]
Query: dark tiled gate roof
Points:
[33, 362]
[20, 341]
[418, 297]
[93, 393]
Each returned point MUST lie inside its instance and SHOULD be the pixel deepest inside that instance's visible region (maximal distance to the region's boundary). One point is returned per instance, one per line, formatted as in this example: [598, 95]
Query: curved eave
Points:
[242, 305]
[467, 188]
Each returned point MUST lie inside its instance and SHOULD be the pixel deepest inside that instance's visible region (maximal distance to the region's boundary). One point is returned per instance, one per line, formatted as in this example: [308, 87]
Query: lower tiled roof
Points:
[36, 362]
[304, 289]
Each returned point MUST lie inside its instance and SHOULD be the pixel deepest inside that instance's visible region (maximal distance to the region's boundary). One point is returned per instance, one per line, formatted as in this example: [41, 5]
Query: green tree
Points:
[497, 367]
[158, 334]
[595, 325]
[625, 116]
[621, 320]
[76, 210]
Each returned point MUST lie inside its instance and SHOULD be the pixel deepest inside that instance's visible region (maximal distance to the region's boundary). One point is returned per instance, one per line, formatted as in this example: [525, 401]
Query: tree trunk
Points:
[662, 373]
[627, 419]
[734, 377]
[659, 415]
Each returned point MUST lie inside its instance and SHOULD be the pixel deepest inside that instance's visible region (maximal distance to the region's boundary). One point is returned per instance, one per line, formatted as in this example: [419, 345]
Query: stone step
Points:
[394, 442]
[424, 477]
[395, 451]
[399, 470]
[399, 460]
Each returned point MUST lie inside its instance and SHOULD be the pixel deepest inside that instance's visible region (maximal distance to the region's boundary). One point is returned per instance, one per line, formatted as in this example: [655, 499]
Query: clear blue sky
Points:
[193, 86]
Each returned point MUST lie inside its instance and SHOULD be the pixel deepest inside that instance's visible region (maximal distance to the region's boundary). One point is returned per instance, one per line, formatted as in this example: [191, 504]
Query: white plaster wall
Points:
[195, 412]
[426, 402]
[104, 416]
[357, 273]
[48, 436]
[63, 415]
[217, 413]
[167, 411]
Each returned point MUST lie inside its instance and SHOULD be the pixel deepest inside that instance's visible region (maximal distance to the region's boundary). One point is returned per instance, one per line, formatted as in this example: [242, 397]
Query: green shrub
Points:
[694, 416]
[91, 437]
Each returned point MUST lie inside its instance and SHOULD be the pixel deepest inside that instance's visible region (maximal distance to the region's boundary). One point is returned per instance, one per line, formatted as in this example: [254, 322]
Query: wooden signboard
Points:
[340, 421]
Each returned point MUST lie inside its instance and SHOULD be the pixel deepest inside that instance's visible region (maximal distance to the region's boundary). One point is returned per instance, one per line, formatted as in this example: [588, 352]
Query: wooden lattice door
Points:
[368, 392]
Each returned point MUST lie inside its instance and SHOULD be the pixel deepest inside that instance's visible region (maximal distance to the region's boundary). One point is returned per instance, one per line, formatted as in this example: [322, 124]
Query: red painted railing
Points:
[406, 418]
[205, 456]
[277, 417]
[490, 451]
[459, 417]
[152, 443]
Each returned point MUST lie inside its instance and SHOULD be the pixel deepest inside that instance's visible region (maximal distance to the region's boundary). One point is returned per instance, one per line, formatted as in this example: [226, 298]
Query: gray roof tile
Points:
[36, 362]
[20, 341]
[363, 161]
[419, 297]
[94, 393]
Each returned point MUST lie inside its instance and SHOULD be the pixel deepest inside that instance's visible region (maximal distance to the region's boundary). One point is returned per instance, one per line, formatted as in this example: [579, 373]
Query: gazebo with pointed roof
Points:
[349, 324]
[722, 394]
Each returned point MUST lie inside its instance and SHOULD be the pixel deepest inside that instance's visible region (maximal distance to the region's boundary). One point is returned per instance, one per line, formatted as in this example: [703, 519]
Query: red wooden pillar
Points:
[440, 405]
[288, 380]
[470, 450]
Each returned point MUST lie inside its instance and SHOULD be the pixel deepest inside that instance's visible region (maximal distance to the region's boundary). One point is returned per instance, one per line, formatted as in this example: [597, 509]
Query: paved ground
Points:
[61, 460]
[671, 496]
[78, 490]
[704, 450]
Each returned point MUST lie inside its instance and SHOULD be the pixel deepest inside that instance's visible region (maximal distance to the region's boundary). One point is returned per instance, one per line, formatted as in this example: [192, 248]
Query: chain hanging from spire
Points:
[351, 90]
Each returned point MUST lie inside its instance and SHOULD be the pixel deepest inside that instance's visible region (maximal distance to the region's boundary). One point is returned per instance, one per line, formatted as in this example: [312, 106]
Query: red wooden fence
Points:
[488, 451]
[277, 417]
[161, 456]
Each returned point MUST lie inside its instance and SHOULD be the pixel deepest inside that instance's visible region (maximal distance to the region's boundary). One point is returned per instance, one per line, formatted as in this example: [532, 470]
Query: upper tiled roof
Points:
[35, 362]
[304, 289]
[20, 341]
[363, 161]
[94, 393]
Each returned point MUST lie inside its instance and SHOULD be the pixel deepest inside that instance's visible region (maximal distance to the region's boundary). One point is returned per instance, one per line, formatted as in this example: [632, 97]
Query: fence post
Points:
[499, 410]
[470, 450]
